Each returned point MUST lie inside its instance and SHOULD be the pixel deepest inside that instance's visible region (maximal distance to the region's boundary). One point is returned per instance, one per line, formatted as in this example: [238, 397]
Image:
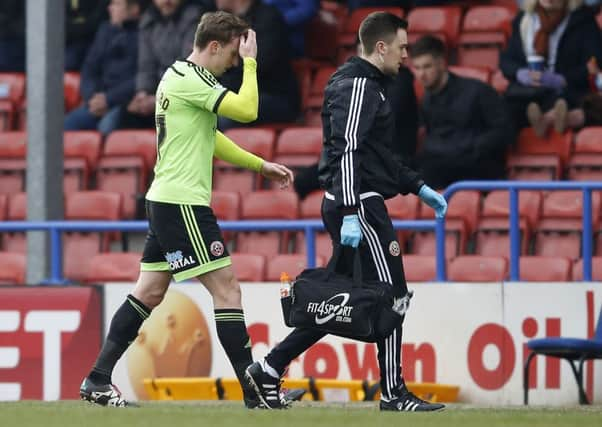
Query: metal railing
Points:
[513, 188]
[56, 228]
[309, 227]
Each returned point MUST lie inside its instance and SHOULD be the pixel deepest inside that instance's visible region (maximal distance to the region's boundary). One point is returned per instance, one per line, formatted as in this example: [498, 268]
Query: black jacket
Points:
[275, 74]
[110, 65]
[466, 122]
[358, 126]
[580, 41]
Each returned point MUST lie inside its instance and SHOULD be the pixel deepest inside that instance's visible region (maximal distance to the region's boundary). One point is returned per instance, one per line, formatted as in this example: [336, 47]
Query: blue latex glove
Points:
[434, 200]
[552, 80]
[351, 232]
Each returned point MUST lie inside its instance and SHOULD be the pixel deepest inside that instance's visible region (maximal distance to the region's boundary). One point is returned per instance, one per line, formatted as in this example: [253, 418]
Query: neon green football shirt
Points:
[187, 99]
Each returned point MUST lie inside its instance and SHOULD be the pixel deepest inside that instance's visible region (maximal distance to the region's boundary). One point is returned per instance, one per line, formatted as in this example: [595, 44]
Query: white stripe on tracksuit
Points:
[384, 275]
[353, 120]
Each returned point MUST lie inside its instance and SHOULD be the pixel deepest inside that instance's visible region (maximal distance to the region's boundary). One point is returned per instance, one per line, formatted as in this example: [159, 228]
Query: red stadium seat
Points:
[226, 205]
[403, 207]
[492, 237]
[260, 141]
[534, 167]
[311, 206]
[485, 30]
[124, 167]
[596, 269]
[554, 143]
[472, 72]
[71, 82]
[475, 268]
[545, 269]
[497, 205]
[299, 146]
[293, 264]
[352, 26]
[3, 206]
[441, 21]
[586, 162]
[323, 245]
[113, 267]
[14, 266]
[13, 149]
[559, 231]
[420, 268]
[262, 205]
[80, 247]
[81, 150]
[12, 94]
[17, 211]
[248, 267]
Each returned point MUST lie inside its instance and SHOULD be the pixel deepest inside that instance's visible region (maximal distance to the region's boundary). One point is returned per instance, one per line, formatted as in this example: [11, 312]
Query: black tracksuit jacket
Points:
[359, 130]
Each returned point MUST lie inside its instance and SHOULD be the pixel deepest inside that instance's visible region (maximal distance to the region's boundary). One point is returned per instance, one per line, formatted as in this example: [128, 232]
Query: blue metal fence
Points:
[513, 188]
[309, 227]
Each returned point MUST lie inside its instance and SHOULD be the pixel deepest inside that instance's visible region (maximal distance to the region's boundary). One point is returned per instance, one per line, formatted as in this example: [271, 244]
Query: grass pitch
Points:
[303, 414]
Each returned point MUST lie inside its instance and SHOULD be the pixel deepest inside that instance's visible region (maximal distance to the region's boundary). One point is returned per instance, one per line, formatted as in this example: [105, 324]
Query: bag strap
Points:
[337, 255]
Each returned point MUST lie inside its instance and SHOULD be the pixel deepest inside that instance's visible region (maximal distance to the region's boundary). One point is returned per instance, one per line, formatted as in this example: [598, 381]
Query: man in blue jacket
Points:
[109, 71]
[297, 14]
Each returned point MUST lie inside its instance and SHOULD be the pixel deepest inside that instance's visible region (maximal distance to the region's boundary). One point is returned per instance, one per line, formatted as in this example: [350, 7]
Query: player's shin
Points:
[122, 332]
[232, 333]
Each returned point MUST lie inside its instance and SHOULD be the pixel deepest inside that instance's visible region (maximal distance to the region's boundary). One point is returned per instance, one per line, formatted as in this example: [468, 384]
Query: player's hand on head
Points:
[275, 172]
[248, 45]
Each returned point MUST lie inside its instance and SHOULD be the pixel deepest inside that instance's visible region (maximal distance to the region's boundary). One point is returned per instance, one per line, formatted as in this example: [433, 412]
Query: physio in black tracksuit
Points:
[358, 171]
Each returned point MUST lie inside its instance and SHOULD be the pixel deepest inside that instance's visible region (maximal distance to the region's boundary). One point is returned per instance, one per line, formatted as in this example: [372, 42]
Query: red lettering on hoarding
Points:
[259, 333]
[321, 361]
[530, 331]
[423, 353]
[497, 335]
[552, 363]
[367, 369]
[50, 338]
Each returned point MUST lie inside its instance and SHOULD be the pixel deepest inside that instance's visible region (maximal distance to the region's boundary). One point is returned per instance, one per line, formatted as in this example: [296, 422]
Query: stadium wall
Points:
[471, 335]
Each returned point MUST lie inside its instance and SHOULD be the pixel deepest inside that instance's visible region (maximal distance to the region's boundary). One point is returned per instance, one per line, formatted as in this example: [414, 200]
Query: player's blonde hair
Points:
[219, 26]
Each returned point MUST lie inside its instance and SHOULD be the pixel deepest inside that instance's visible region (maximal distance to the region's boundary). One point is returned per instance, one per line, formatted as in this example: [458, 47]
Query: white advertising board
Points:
[471, 335]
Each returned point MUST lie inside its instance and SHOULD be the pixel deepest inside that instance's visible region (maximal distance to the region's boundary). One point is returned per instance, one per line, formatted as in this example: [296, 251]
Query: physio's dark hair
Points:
[428, 45]
[220, 26]
[379, 26]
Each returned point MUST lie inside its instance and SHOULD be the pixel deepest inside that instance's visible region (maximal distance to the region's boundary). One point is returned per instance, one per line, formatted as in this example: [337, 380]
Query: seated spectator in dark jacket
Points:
[166, 34]
[279, 99]
[109, 71]
[564, 36]
[297, 14]
[467, 125]
[82, 19]
[12, 35]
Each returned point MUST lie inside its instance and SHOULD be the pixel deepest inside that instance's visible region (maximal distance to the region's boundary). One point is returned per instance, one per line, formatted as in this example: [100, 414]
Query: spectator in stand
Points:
[108, 73]
[166, 32]
[467, 125]
[279, 98]
[82, 19]
[12, 35]
[563, 35]
[297, 14]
